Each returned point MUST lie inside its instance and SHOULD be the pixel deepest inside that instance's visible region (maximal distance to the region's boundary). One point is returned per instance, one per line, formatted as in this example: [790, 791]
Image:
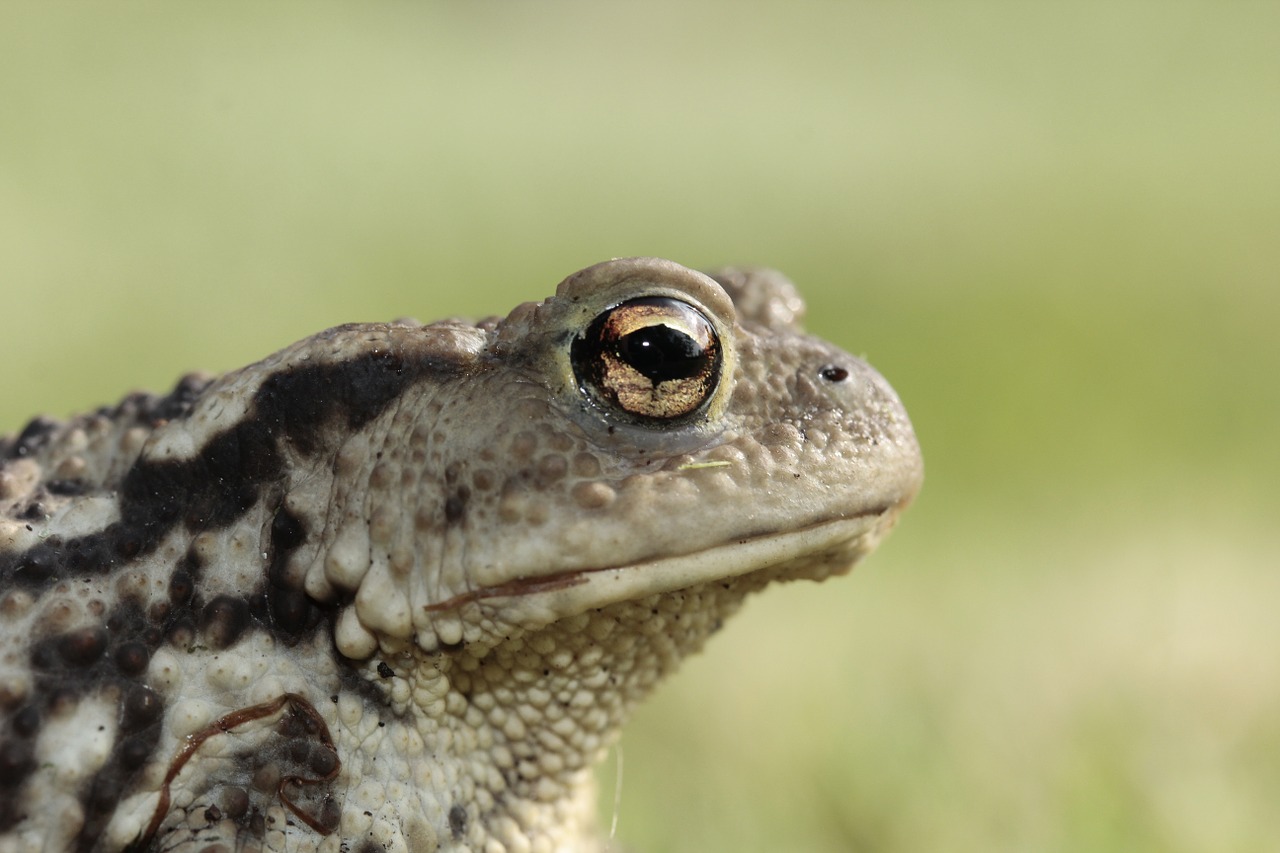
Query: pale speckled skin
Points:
[470, 572]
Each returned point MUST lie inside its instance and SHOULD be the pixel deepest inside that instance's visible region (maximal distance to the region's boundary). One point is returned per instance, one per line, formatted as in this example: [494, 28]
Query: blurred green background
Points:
[1054, 226]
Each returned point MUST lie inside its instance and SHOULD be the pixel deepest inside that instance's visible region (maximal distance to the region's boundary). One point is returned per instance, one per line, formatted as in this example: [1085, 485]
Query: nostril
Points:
[834, 373]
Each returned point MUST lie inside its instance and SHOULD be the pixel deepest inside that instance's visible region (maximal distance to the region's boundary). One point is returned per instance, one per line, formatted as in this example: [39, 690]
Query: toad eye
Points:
[655, 358]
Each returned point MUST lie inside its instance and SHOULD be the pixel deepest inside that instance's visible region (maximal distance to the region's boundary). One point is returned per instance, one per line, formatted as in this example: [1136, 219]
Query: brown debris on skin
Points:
[223, 725]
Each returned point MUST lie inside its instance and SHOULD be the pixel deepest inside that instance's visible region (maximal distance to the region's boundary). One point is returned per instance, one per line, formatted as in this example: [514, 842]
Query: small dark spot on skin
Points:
[182, 633]
[44, 657]
[181, 587]
[299, 751]
[86, 554]
[455, 506]
[27, 721]
[293, 726]
[322, 761]
[834, 373]
[16, 761]
[384, 670]
[330, 814]
[83, 647]
[33, 512]
[224, 620]
[292, 612]
[457, 821]
[32, 437]
[132, 658]
[287, 530]
[191, 562]
[158, 613]
[267, 777]
[309, 724]
[235, 802]
[61, 700]
[128, 543]
[126, 618]
[179, 401]
[104, 796]
[213, 814]
[10, 809]
[142, 707]
[34, 569]
[134, 752]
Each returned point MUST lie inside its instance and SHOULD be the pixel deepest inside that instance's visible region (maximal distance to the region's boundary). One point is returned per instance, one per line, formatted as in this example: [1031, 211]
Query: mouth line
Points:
[750, 553]
[515, 588]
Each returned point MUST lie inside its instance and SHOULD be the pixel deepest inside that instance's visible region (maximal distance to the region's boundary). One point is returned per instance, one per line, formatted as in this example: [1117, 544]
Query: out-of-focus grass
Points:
[1053, 226]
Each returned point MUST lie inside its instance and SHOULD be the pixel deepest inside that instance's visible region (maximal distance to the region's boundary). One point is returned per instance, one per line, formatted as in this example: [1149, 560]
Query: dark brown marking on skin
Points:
[140, 713]
[183, 581]
[32, 437]
[355, 681]
[292, 408]
[11, 811]
[457, 821]
[223, 620]
[108, 660]
[235, 802]
[26, 722]
[312, 723]
[134, 751]
[34, 569]
[82, 647]
[138, 408]
[455, 506]
[455, 503]
[66, 488]
[131, 658]
[16, 758]
[142, 707]
[289, 609]
[177, 404]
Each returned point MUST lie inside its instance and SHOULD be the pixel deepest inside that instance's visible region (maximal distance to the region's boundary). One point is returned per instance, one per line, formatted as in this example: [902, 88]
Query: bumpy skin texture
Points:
[397, 587]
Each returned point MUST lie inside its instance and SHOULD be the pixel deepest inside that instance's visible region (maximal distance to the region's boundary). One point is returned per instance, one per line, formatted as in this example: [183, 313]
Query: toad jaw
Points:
[816, 552]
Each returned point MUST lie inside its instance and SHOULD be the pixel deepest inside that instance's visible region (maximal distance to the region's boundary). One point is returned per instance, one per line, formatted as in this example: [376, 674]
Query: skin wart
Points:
[397, 587]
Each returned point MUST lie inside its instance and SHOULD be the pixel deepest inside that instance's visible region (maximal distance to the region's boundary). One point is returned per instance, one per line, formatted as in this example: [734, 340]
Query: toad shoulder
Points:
[397, 587]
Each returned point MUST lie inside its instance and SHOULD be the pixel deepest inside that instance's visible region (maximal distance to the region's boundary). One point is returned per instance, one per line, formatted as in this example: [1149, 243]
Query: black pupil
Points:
[661, 353]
